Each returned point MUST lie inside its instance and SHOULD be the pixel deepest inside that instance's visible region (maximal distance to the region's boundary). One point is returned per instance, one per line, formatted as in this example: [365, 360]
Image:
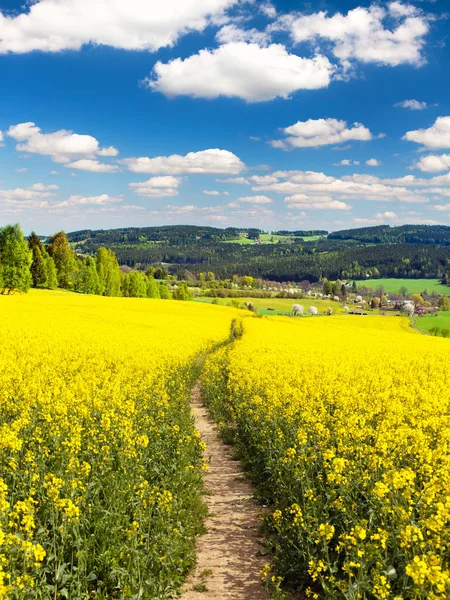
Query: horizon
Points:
[272, 114]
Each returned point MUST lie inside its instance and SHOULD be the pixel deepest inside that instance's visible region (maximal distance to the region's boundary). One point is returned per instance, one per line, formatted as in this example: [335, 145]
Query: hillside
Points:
[409, 251]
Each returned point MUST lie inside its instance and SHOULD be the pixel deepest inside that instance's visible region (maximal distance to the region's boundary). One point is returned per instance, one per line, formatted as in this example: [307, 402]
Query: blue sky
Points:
[224, 112]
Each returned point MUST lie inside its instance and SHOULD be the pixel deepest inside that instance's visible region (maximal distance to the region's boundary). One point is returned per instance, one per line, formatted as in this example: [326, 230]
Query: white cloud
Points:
[302, 201]
[157, 187]
[109, 151]
[442, 207]
[233, 34]
[22, 170]
[373, 162]
[321, 132]
[362, 35]
[436, 136]
[243, 70]
[62, 146]
[211, 193]
[434, 163]
[54, 173]
[74, 200]
[357, 186]
[346, 162]
[268, 10]
[263, 179]
[412, 104]
[205, 162]
[92, 165]
[1, 138]
[255, 200]
[37, 191]
[388, 215]
[234, 180]
[55, 25]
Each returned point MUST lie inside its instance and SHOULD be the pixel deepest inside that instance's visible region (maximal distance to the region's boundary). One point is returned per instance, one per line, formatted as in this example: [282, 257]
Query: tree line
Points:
[26, 263]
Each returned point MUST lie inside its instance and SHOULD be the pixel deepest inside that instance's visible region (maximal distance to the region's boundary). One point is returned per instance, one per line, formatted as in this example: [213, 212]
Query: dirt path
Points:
[228, 564]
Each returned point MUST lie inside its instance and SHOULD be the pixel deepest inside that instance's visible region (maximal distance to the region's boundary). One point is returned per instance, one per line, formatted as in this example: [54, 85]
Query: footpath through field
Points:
[228, 560]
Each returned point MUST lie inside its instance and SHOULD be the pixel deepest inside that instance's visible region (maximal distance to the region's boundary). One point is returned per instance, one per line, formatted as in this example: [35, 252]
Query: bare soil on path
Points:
[228, 554]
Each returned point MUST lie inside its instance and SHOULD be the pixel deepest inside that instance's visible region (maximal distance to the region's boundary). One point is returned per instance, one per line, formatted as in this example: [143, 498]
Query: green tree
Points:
[164, 292]
[182, 293]
[50, 270]
[152, 288]
[444, 303]
[87, 281]
[15, 258]
[326, 287]
[38, 267]
[108, 272]
[64, 257]
[137, 285]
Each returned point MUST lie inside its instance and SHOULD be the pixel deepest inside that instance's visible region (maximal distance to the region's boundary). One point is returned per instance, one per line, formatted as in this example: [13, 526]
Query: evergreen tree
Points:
[152, 288]
[108, 272]
[64, 257]
[38, 270]
[15, 258]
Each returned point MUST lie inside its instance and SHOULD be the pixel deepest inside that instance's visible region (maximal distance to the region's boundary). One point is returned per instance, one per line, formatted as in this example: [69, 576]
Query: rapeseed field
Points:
[344, 424]
[100, 463]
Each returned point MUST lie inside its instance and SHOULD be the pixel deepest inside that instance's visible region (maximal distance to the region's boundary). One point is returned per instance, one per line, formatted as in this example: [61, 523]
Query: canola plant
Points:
[100, 462]
[344, 424]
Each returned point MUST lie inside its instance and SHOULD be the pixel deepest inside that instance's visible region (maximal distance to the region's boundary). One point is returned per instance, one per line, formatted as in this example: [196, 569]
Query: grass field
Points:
[392, 285]
[281, 306]
[268, 238]
[441, 320]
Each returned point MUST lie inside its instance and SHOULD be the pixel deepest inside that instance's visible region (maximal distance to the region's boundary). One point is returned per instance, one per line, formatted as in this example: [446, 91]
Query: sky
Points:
[281, 114]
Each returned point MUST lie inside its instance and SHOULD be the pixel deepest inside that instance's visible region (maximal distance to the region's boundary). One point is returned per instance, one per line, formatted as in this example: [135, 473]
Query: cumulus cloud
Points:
[232, 34]
[243, 70]
[1, 138]
[436, 136]
[357, 187]
[213, 161]
[442, 207]
[109, 151]
[412, 104]
[32, 192]
[263, 179]
[302, 201]
[346, 162]
[62, 146]
[92, 165]
[434, 163]
[268, 10]
[102, 200]
[211, 193]
[235, 180]
[321, 132]
[364, 34]
[157, 187]
[255, 200]
[373, 162]
[22, 170]
[55, 25]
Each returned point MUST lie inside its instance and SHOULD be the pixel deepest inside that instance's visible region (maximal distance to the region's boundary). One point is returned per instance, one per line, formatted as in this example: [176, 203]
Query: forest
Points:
[410, 251]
